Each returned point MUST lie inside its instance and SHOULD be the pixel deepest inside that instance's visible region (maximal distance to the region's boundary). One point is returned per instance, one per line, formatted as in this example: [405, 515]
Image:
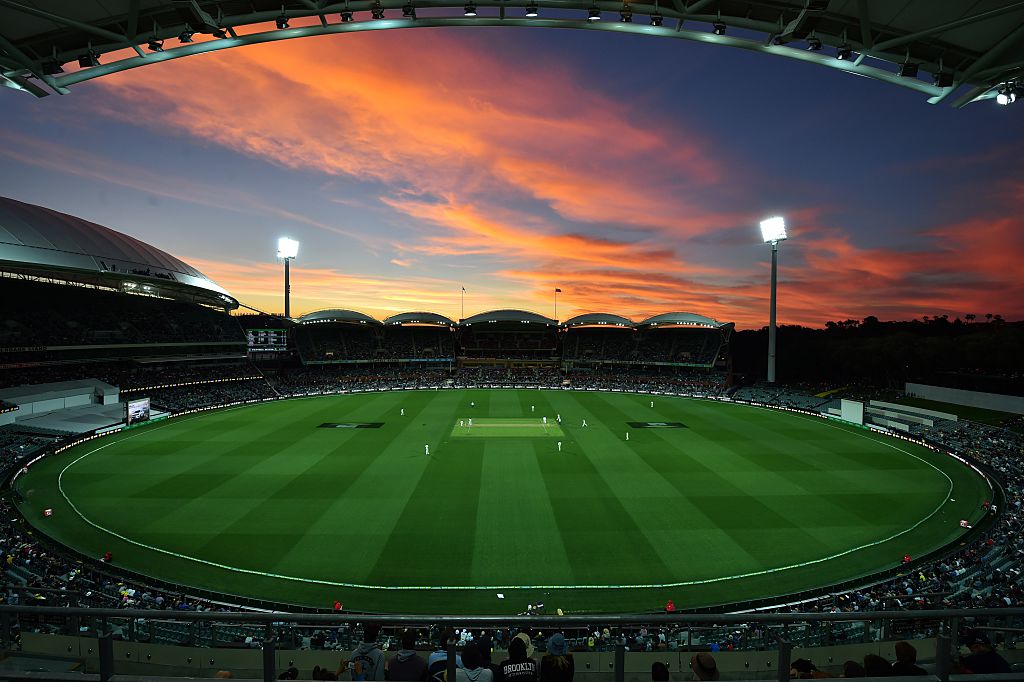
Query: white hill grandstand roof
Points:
[509, 316]
[682, 319]
[966, 50]
[338, 315]
[601, 319]
[42, 242]
[419, 318]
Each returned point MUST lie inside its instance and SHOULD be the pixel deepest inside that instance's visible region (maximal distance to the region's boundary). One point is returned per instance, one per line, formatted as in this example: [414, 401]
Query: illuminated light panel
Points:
[773, 229]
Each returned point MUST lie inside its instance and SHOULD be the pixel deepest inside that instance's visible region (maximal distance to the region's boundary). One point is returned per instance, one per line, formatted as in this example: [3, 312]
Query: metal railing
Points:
[778, 628]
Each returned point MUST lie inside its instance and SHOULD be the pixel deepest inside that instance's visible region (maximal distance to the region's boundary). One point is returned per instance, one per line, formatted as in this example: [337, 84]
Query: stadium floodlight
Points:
[287, 249]
[844, 53]
[470, 10]
[1006, 96]
[531, 10]
[594, 14]
[773, 229]
[657, 19]
[282, 22]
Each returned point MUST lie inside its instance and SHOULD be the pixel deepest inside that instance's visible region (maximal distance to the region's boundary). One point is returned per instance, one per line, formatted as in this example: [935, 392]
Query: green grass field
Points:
[717, 504]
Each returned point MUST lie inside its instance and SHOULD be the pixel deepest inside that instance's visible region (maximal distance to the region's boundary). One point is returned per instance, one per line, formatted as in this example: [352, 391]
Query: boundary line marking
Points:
[334, 583]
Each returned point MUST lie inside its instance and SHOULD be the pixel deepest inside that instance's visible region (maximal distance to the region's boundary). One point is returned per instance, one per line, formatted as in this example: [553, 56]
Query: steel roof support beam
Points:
[865, 24]
[88, 28]
[980, 64]
[966, 21]
[24, 60]
[385, 24]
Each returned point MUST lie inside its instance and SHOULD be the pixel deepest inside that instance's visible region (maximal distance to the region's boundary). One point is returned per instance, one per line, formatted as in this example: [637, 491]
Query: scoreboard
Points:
[267, 339]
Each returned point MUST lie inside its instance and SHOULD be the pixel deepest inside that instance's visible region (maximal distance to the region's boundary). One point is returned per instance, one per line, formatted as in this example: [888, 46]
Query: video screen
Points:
[138, 410]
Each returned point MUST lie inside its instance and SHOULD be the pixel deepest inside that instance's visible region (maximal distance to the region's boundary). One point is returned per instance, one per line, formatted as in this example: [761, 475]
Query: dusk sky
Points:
[630, 172]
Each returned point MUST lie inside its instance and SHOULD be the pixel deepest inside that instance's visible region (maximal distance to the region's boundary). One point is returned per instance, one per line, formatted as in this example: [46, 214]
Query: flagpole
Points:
[556, 305]
[463, 303]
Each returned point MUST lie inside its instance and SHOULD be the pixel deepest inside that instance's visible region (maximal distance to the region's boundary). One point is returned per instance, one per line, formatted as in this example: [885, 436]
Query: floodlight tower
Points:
[287, 249]
[773, 231]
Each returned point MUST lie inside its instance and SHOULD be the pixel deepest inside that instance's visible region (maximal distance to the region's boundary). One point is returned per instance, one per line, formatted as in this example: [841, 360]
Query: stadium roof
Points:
[681, 319]
[338, 315]
[40, 242]
[524, 316]
[419, 318]
[972, 48]
[602, 319]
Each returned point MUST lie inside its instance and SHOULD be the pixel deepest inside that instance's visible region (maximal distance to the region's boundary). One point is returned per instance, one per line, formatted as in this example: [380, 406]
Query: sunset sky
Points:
[628, 171]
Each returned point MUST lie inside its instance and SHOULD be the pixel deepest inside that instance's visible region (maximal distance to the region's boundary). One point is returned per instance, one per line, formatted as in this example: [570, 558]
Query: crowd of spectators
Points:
[671, 345]
[351, 342]
[37, 314]
[129, 376]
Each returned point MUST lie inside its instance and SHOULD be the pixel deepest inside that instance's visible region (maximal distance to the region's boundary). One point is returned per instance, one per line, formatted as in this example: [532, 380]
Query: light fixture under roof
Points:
[155, 45]
[626, 15]
[1007, 95]
[186, 36]
[469, 10]
[346, 16]
[282, 22]
[813, 44]
[719, 28]
[908, 70]
[657, 19]
[409, 12]
[844, 52]
[594, 14]
[377, 12]
[531, 10]
[88, 59]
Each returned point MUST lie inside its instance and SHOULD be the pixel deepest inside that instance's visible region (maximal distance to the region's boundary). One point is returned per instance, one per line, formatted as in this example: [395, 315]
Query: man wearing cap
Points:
[704, 667]
[557, 665]
[983, 659]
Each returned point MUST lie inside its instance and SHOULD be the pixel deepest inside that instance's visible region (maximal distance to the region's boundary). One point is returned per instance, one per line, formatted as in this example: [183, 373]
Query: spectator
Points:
[876, 666]
[367, 660]
[853, 669]
[704, 667]
[906, 661]
[659, 672]
[983, 659]
[437, 661]
[407, 665]
[557, 665]
[473, 669]
[518, 667]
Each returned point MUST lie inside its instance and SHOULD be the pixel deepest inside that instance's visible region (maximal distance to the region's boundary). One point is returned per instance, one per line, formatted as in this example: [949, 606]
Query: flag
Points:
[558, 291]
[463, 289]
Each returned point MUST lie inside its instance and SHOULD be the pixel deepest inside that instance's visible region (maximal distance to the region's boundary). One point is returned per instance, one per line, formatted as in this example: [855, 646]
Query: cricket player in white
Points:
[558, 418]
[426, 450]
[470, 422]
[559, 446]
[652, 403]
[532, 408]
[584, 422]
[627, 435]
[545, 420]
[402, 412]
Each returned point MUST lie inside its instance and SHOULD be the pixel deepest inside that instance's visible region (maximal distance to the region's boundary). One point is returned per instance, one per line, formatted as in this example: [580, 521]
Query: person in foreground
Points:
[407, 665]
[367, 660]
[518, 667]
[557, 664]
[983, 658]
[473, 669]
[704, 667]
